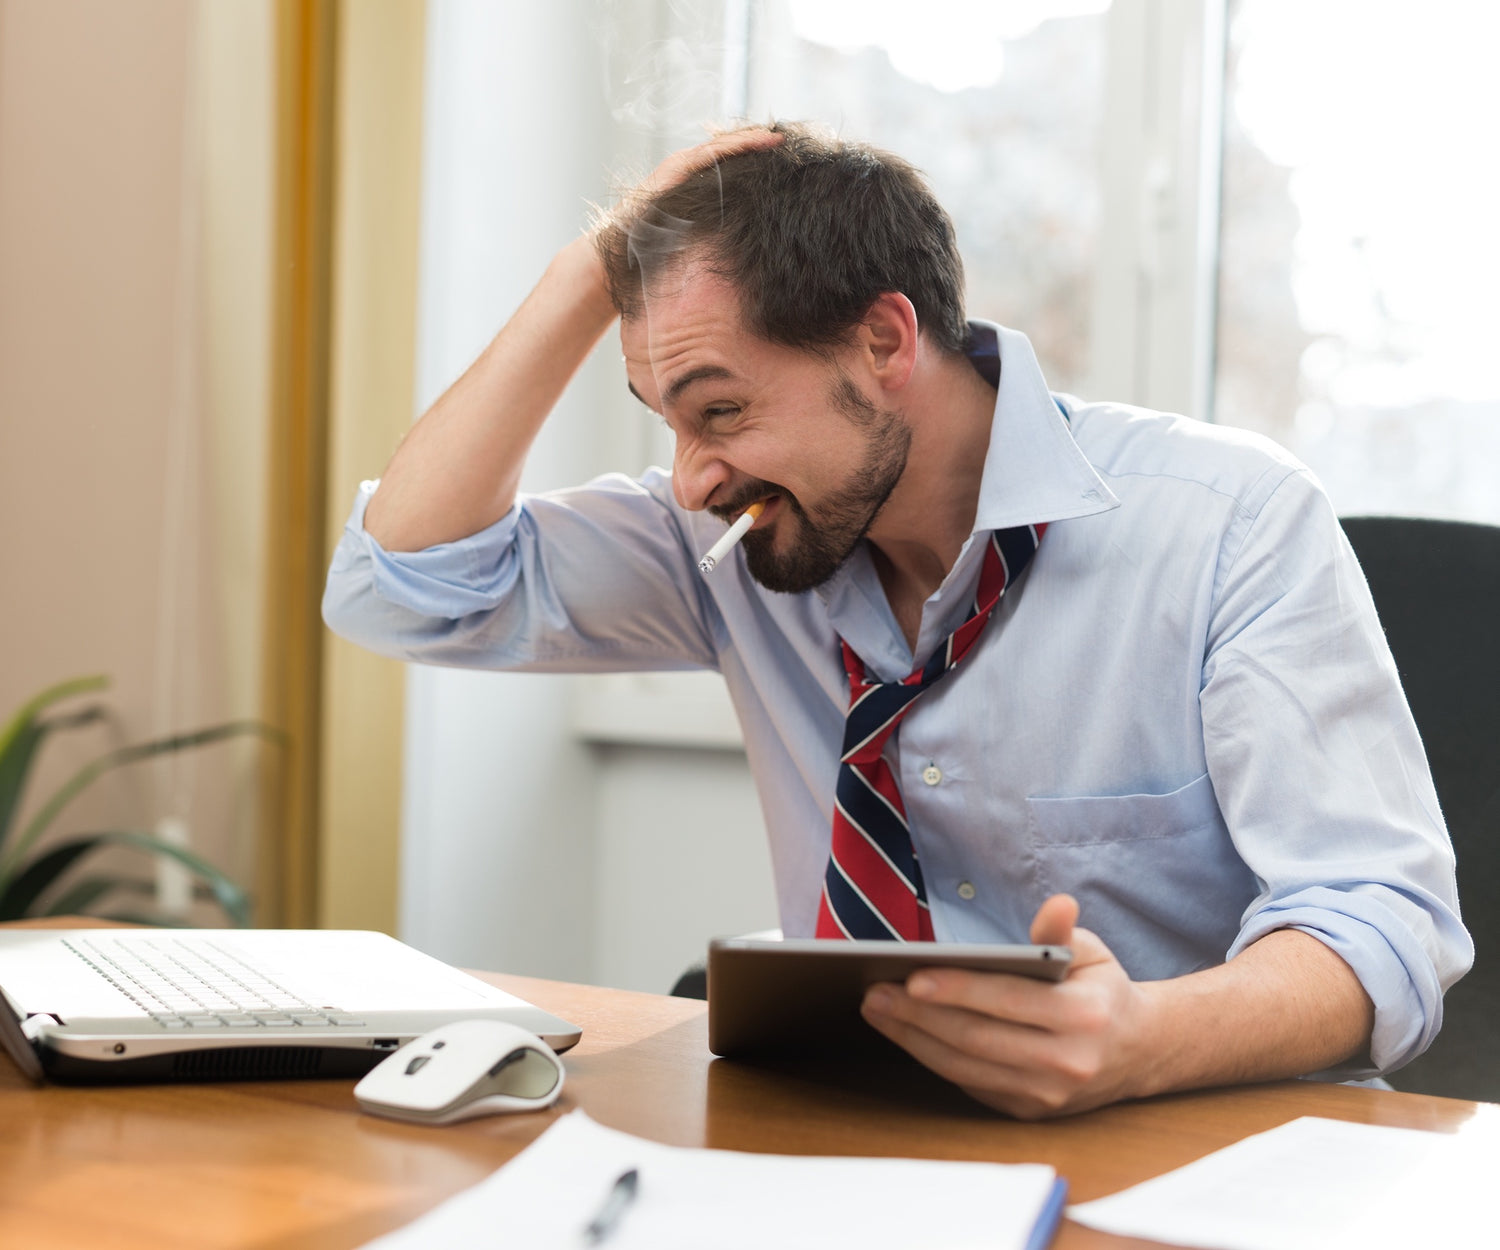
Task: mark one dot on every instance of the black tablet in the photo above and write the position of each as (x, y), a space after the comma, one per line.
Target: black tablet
(803, 996)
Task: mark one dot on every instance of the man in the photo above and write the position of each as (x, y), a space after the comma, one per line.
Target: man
(1178, 714)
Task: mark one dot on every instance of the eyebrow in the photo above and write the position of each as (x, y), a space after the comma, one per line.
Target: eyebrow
(700, 374)
(630, 386)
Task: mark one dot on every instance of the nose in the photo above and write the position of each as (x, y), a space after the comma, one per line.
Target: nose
(697, 472)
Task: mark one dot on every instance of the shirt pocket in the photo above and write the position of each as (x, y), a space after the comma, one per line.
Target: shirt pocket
(1155, 875)
(1092, 821)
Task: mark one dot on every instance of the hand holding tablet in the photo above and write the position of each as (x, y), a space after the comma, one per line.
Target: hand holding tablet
(803, 996)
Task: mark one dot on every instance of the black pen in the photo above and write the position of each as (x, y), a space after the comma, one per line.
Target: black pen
(607, 1218)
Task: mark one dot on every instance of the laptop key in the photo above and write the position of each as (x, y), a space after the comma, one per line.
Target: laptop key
(348, 1021)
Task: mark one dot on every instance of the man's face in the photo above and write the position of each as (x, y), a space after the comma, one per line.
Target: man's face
(754, 420)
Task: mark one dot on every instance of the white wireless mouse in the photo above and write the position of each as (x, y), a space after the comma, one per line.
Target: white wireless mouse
(462, 1070)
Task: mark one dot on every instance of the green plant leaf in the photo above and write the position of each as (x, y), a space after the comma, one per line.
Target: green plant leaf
(81, 897)
(15, 764)
(11, 860)
(53, 694)
(83, 894)
(23, 735)
(157, 920)
(17, 900)
(17, 897)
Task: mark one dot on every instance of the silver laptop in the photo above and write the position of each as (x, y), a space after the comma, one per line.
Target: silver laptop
(119, 1005)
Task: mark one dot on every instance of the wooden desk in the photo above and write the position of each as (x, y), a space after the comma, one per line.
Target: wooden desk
(296, 1165)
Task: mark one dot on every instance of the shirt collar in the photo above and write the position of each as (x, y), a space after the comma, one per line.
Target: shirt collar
(1034, 470)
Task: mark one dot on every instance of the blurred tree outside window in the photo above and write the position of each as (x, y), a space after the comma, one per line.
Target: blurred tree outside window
(1359, 254)
(998, 105)
(1358, 260)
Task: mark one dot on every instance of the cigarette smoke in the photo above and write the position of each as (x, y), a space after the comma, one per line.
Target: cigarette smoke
(666, 79)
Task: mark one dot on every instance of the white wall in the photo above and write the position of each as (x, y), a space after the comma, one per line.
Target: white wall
(134, 297)
(525, 848)
(681, 856)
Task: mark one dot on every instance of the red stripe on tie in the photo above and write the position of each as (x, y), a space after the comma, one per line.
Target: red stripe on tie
(887, 891)
(862, 860)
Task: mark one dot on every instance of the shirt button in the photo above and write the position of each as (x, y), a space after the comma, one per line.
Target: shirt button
(932, 774)
(966, 891)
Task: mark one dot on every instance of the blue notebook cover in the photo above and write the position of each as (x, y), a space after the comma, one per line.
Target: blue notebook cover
(1049, 1217)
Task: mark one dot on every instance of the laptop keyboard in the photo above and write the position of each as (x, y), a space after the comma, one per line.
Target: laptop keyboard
(189, 983)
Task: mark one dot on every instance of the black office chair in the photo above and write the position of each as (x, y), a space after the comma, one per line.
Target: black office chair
(693, 983)
(1437, 588)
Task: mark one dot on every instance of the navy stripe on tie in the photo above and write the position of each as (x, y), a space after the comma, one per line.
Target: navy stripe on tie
(874, 712)
(882, 826)
(853, 911)
(1017, 546)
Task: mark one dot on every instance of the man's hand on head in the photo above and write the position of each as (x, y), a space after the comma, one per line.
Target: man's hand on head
(678, 167)
(1030, 1048)
(719, 145)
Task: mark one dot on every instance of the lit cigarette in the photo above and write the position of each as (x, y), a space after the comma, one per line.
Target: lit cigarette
(732, 535)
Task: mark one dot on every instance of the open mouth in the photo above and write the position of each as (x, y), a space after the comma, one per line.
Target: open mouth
(771, 505)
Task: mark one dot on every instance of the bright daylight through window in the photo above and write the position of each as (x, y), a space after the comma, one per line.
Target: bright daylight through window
(1359, 254)
(1358, 259)
(999, 104)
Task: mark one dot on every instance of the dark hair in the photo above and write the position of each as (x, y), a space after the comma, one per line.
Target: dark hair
(809, 231)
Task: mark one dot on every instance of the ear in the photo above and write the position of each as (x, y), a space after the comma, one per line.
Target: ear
(889, 340)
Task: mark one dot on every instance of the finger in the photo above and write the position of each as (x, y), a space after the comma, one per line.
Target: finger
(1019, 1091)
(927, 1040)
(743, 138)
(986, 1037)
(683, 164)
(1054, 921)
(1088, 948)
(997, 995)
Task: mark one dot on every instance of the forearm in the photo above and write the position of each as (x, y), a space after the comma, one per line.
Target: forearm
(458, 469)
(1286, 1006)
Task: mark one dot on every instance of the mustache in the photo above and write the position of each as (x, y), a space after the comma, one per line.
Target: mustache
(747, 495)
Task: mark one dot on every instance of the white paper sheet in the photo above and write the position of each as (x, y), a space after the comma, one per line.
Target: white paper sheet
(1315, 1184)
(729, 1200)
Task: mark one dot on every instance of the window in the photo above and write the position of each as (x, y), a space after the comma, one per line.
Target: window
(998, 104)
(1359, 255)
(1275, 214)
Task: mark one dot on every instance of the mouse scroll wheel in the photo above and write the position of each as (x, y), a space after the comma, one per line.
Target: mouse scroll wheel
(417, 1064)
(515, 1056)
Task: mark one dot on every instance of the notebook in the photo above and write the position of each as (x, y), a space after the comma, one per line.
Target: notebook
(106, 1006)
(557, 1193)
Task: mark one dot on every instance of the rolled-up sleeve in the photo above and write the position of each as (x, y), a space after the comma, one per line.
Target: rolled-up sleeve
(1320, 772)
(592, 578)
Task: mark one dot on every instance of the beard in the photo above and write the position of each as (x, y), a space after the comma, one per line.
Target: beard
(825, 533)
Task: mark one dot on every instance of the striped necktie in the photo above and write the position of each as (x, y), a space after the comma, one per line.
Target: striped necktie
(873, 887)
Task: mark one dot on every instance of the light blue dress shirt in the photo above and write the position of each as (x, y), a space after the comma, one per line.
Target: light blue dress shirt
(1184, 713)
